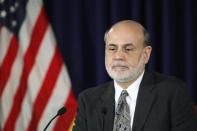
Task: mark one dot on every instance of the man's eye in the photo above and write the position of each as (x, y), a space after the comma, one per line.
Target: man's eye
(128, 49)
(111, 48)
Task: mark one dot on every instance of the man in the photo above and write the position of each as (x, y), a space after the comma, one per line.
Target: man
(137, 99)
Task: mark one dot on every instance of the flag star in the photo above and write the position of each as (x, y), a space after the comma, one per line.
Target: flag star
(12, 9)
(16, 4)
(3, 14)
(14, 23)
(1, 1)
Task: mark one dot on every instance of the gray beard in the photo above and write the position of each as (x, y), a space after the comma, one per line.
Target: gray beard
(130, 75)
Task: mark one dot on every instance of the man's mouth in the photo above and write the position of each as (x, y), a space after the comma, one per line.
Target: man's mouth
(120, 67)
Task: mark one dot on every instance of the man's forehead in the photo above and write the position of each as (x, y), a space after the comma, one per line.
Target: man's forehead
(124, 36)
(125, 32)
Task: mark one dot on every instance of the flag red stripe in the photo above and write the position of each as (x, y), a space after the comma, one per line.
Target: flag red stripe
(46, 90)
(6, 66)
(64, 122)
(29, 60)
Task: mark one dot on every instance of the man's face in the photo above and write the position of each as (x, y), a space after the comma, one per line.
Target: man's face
(125, 54)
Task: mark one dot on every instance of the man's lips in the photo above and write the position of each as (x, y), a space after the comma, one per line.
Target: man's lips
(119, 67)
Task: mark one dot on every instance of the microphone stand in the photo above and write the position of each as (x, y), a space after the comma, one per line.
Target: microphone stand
(50, 122)
(60, 112)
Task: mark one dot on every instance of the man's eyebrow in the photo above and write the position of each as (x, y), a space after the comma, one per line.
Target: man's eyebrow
(111, 44)
(129, 44)
(125, 45)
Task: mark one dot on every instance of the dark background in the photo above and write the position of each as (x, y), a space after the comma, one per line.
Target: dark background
(79, 27)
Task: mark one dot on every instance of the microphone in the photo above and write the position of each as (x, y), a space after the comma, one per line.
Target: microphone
(61, 111)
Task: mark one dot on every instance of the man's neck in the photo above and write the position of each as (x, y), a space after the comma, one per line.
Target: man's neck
(124, 85)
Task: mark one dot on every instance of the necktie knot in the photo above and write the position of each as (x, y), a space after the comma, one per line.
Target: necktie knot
(123, 95)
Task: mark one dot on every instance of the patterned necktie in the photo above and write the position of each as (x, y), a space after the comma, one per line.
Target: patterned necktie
(122, 120)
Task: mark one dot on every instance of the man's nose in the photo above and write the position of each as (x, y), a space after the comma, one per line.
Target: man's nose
(120, 54)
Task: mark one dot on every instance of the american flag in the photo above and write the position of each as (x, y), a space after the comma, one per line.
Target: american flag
(34, 81)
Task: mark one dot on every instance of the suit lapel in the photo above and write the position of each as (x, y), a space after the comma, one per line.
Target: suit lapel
(105, 108)
(145, 101)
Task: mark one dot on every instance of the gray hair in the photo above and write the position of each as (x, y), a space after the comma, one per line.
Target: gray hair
(146, 37)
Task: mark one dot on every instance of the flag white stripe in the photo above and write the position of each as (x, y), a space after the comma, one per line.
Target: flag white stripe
(33, 9)
(36, 78)
(42, 63)
(5, 38)
(57, 99)
(11, 87)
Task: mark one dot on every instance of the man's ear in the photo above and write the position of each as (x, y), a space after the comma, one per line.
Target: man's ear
(147, 53)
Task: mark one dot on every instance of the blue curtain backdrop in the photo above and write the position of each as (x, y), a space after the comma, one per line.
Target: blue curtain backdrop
(79, 26)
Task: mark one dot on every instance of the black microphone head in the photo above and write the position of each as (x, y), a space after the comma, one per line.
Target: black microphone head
(61, 111)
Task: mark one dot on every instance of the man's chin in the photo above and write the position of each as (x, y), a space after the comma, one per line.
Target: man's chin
(120, 72)
(123, 80)
(120, 78)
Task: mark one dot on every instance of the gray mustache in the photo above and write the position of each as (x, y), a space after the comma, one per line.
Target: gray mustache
(119, 65)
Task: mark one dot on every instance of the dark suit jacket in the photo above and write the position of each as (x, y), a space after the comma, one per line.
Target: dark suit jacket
(163, 104)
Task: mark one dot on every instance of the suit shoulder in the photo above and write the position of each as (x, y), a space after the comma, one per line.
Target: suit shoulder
(168, 83)
(94, 92)
(172, 80)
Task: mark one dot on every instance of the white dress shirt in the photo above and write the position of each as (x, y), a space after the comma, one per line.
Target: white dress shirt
(132, 97)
